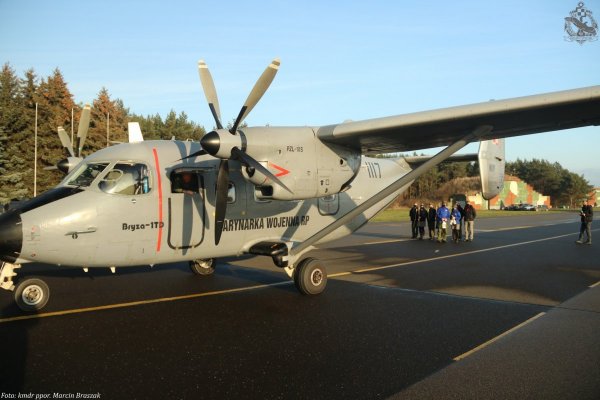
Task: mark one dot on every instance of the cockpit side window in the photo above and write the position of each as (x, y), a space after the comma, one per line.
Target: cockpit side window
(184, 182)
(127, 179)
(85, 174)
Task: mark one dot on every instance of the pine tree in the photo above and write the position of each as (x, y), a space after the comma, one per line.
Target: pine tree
(106, 110)
(14, 169)
(55, 106)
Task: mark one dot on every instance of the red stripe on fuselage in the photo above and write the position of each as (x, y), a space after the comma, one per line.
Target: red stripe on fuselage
(160, 200)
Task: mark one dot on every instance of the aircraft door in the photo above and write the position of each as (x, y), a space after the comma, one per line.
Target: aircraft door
(186, 210)
(126, 233)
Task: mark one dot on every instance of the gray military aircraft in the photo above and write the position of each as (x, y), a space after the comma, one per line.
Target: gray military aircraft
(271, 191)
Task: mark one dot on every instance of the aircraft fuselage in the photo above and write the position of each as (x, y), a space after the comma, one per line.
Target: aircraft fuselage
(94, 219)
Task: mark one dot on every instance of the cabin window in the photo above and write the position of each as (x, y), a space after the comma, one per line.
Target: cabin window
(85, 174)
(185, 182)
(127, 179)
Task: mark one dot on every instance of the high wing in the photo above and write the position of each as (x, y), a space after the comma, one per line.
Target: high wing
(442, 127)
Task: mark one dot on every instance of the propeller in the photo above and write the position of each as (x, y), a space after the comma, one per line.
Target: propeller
(221, 200)
(82, 128)
(66, 164)
(231, 144)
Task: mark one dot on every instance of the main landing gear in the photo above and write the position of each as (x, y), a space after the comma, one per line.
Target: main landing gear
(31, 295)
(203, 266)
(310, 276)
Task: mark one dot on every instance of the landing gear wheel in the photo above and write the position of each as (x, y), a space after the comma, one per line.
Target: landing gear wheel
(310, 276)
(203, 266)
(32, 294)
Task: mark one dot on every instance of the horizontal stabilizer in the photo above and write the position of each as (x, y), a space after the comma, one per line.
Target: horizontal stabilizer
(418, 160)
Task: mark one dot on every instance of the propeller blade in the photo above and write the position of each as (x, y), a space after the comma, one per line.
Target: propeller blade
(252, 163)
(210, 92)
(82, 129)
(50, 168)
(195, 154)
(221, 199)
(66, 142)
(257, 92)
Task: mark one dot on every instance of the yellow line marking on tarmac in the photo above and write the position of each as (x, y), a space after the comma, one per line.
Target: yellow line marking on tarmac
(481, 346)
(339, 274)
(140, 303)
(506, 229)
(386, 241)
(595, 284)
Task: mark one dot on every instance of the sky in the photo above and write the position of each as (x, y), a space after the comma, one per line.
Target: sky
(340, 60)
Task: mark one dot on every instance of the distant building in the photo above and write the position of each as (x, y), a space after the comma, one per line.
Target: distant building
(594, 197)
(515, 191)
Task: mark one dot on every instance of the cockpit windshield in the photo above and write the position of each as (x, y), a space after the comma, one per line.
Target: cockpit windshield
(126, 178)
(85, 174)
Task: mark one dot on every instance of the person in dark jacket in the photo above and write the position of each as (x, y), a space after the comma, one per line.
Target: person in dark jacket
(431, 221)
(414, 220)
(470, 215)
(587, 215)
(423, 214)
(455, 223)
(461, 231)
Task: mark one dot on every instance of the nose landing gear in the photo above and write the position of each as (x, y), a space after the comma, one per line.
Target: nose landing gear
(30, 295)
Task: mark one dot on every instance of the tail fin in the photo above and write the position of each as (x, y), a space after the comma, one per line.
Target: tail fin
(135, 132)
(491, 167)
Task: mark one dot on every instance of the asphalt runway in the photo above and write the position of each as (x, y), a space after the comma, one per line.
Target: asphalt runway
(513, 314)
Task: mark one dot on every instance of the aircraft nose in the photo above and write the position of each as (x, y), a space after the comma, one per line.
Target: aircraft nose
(11, 236)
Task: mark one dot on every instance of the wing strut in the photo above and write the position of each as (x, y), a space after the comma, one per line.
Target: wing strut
(404, 180)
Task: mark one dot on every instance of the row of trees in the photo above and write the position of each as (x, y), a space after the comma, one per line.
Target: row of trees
(57, 107)
(565, 188)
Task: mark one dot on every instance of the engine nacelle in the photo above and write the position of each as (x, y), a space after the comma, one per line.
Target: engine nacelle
(307, 166)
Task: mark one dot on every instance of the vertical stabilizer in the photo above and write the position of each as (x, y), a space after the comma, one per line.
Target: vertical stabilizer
(491, 167)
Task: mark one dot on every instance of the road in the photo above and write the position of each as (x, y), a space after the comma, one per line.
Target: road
(514, 313)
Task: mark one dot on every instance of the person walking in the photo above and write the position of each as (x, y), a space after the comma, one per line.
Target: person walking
(587, 215)
(431, 221)
(443, 217)
(423, 214)
(414, 220)
(470, 215)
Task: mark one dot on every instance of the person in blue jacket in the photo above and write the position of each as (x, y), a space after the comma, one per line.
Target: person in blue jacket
(443, 217)
(455, 221)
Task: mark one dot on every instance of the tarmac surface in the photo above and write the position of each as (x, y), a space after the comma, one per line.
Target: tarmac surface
(513, 314)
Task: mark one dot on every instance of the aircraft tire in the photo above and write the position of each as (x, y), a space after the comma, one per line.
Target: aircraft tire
(32, 294)
(310, 276)
(203, 266)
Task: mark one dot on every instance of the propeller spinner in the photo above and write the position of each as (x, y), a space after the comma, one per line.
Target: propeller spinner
(231, 144)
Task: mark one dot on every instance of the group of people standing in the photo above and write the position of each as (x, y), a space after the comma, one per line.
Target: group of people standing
(459, 220)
